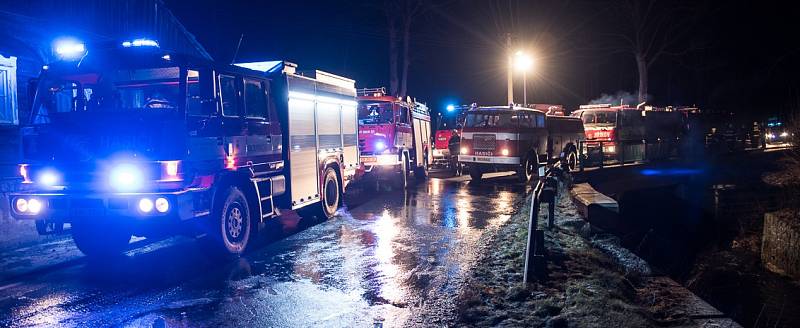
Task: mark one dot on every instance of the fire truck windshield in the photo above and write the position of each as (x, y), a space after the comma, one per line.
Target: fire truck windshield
(110, 91)
(491, 120)
(375, 113)
(599, 117)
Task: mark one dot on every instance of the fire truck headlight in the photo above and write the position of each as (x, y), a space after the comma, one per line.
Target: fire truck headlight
(126, 177)
(162, 205)
(145, 205)
(770, 136)
(504, 152)
(464, 150)
(784, 134)
(34, 206)
(21, 204)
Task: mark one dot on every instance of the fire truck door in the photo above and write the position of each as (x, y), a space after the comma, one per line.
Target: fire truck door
(350, 136)
(303, 150)
(421, 137)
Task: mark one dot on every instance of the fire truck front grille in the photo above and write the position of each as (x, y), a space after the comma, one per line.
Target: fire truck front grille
(483, 142)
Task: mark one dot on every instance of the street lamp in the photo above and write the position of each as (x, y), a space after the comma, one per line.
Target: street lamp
(523, 62)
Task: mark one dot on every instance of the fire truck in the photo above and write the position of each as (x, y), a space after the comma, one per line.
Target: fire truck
(611, 130)
(130, 139)
(393, 136)
(517, 139)
(447, 139)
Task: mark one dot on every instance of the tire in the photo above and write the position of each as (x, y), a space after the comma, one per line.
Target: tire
(402, 181)
(529, 169)
(330, 195)
(231, 223)
(570, 160)
(475, 173)
(102, 238)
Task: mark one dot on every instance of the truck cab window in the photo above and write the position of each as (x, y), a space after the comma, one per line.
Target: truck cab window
(539, 120)
(526, 120)
(404, 115)
(255, 98)
(228, 95)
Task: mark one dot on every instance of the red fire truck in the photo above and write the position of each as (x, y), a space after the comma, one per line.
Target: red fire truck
(447, 140)
(516, 139)
(655, 130)
(136, 140)
(393, 136)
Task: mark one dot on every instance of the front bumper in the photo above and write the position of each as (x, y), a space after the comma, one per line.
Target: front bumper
(371, 162)
(65, 207)
(489, 159)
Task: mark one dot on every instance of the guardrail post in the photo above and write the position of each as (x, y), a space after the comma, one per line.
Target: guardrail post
(581, 144)
(549, 196)
(534, 252)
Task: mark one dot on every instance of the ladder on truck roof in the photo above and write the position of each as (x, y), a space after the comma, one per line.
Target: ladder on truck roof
(371, 92)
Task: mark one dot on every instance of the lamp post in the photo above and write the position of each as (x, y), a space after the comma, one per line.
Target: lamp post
(523, 62)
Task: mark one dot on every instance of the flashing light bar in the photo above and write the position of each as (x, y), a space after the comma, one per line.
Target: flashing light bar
(140, 43)
(70, 49)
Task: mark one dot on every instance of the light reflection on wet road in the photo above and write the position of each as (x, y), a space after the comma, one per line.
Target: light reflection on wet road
(392, 257)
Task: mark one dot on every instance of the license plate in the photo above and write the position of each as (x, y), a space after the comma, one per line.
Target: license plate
(368, 159)
(483, 159)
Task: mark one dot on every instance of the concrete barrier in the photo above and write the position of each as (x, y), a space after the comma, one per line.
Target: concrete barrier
(780, 246)
(596, 208)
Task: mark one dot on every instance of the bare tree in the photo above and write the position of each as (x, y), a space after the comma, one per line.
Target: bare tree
(400, 18)
(652, 29)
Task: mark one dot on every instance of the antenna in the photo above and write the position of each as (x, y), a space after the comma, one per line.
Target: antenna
(238, 45)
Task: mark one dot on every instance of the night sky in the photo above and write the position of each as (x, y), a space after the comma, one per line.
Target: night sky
(740, 56)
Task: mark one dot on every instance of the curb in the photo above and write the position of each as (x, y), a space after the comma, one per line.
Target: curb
(596, 208)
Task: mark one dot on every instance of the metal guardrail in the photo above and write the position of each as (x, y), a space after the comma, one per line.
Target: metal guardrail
(544, 192)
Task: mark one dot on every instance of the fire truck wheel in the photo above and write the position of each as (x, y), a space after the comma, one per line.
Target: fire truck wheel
(527, 171)
(402, 180)
(571, 160)
(233, 219)
(101, 237)
(475, 173)
(330, 195)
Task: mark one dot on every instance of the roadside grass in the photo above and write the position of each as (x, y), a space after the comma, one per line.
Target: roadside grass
(584, 288)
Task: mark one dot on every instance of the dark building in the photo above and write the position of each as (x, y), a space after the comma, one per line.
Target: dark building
(29, 31)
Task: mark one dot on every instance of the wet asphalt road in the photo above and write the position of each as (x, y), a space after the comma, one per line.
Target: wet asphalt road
(388, 258)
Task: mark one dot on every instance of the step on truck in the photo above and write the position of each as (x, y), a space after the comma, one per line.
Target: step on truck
(135, 140)
(393, 136)
(520, 139)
